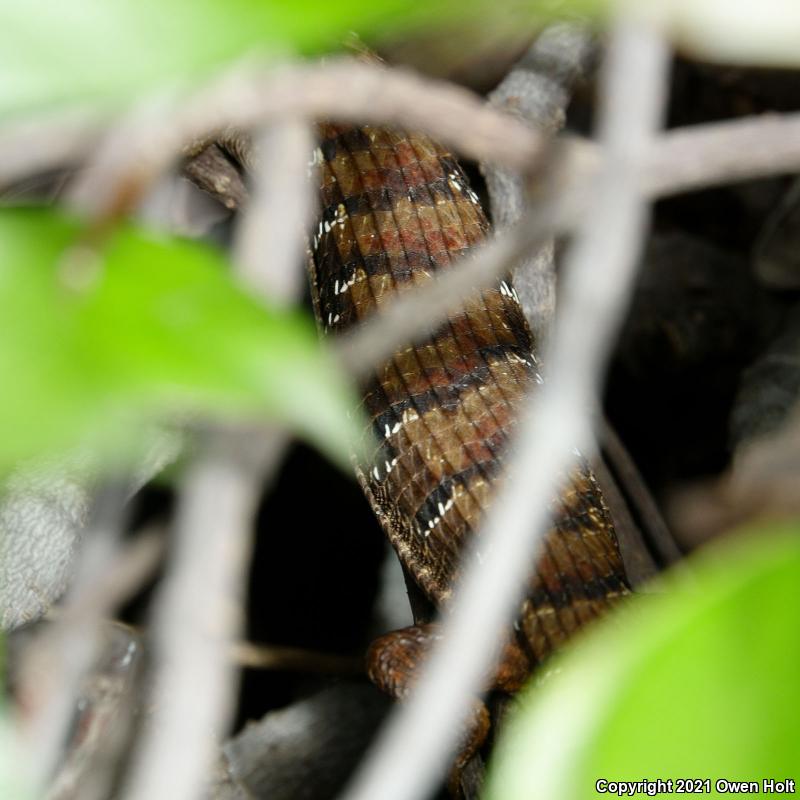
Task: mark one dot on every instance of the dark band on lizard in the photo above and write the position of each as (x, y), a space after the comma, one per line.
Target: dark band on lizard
(396, 208)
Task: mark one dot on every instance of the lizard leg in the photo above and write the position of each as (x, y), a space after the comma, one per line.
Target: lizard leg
(392, 664)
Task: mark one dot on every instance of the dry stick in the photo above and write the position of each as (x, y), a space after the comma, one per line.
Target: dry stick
(424, 732)
(150, 139)
(197, 616)
(121, 579)
(213, 172)
(270, 238)
(677, 161)
(199, 612)
(40, 144)
(685, 158)
(58, 659)
(138, 561)
(418, 310)
(690, 158)
(537, 91)
(103, 720)
(275, 657)
(637, 496)
(311, 745)
(637, 558)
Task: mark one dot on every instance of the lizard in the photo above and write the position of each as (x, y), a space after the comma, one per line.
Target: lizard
(395, 208)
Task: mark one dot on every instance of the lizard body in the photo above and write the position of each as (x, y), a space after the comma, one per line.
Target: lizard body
(396, 207)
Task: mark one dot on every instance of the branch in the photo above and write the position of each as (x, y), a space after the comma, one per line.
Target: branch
(681, 160)
(424, 732)
(309, 748)
(197, 616)
(149, 140)
(103, 719)
(270, 238)
(56, 661)
(677, 161)
(637, 499)
(212, 171)
(537, 91)
(199, 612)
(691, 158)
(418, 310)
(41, 144)
(255, 656)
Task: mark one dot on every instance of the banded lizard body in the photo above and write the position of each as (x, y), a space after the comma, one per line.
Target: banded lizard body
(396, 207)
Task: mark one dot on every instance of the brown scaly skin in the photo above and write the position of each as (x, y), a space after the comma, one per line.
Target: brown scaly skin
(397, 207)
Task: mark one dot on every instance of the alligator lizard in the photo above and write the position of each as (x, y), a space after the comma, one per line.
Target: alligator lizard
(396, 207)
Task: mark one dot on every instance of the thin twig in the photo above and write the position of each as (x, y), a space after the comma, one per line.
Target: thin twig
(199, 613)
(299, 659)
(639, 501)
(198, 616)
(103, 720)
(37, 145)
(686, 159)
(213, 172)
(152, 137)
(683, 159)
(309, 748)
(121, 579)
(270, 238)
(537, 91)
(680, 160)
(600, 270)
(56, 662)
(420, 309)
(637, 557)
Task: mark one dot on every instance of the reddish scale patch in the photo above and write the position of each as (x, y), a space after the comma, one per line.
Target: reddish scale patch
(390, 237)
(435, 241)
(404, 153)
(454, 238)
(415, 177)
(502, 418)
(368, 176)
(477, 452)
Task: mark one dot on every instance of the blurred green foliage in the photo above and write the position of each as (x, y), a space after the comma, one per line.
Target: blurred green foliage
(159, 327)
(94, 336)
(75, 51)
(698, 682)
(14, 784)
(94, 50)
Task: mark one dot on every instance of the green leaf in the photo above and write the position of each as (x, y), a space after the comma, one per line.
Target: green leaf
(14, 782)
(96, 50)
(92, 51)
(97, 337)
(700, 682)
